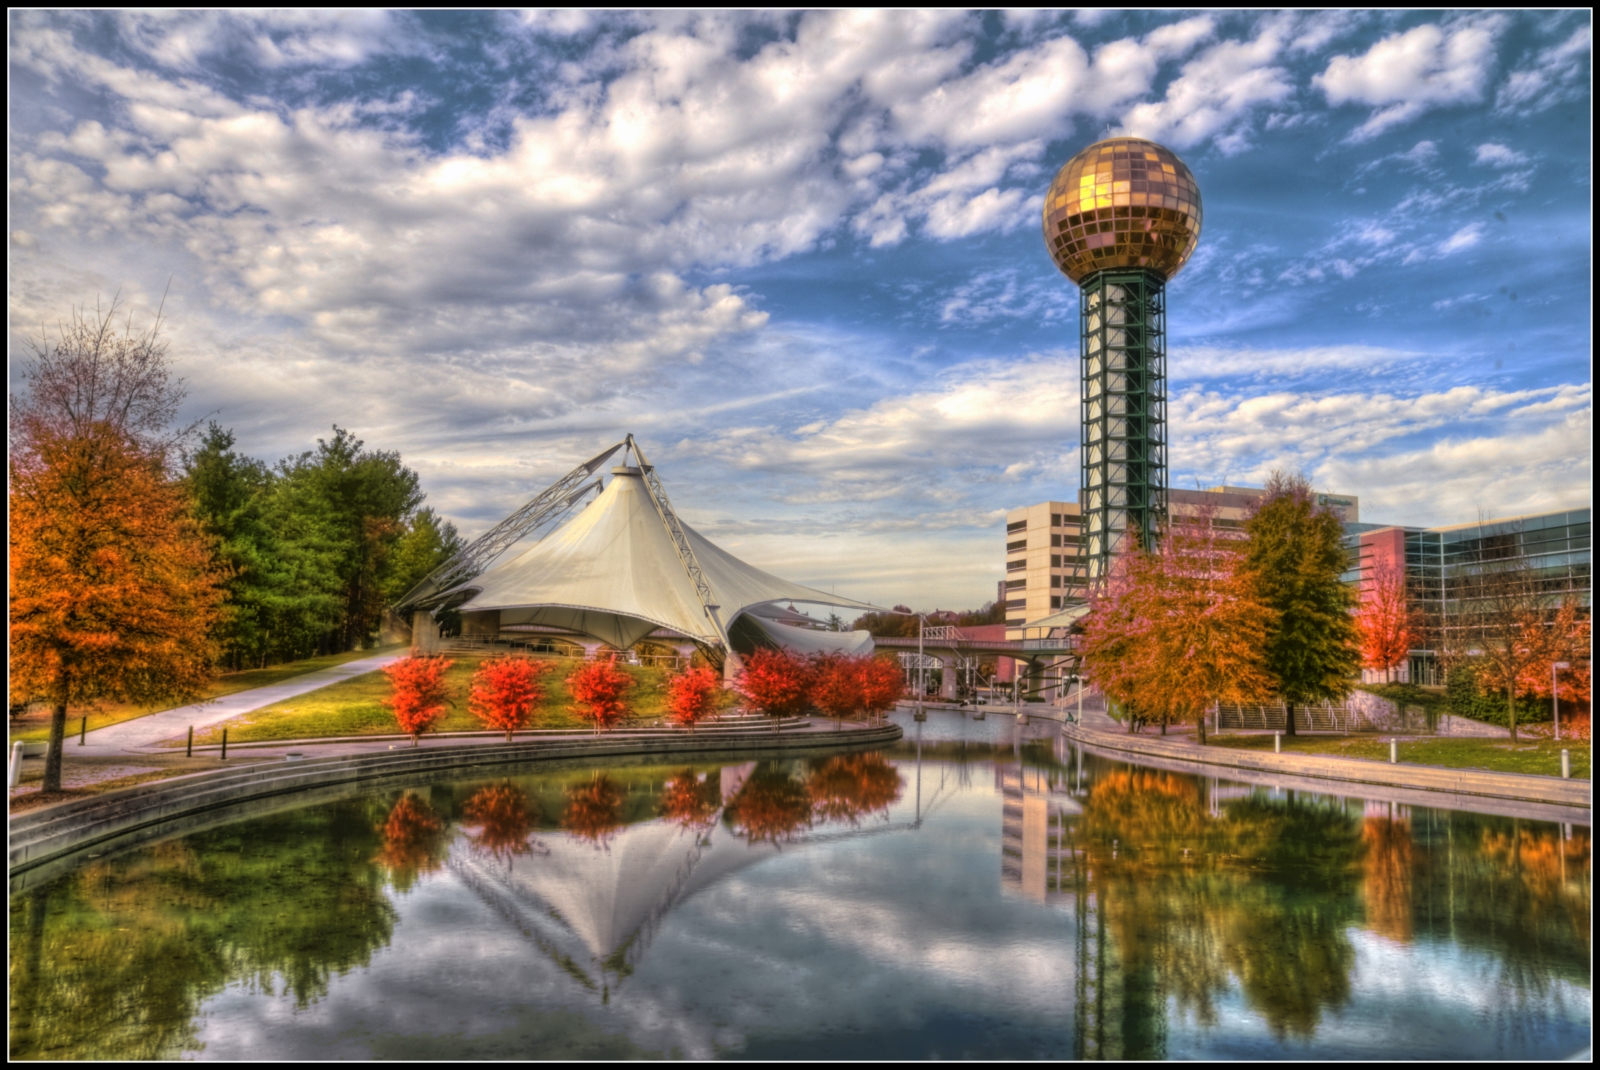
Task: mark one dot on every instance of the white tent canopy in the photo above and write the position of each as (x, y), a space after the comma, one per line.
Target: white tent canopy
(613, 573)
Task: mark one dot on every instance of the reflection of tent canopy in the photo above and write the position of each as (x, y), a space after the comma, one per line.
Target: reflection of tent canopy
(584, 905)
(613, 573)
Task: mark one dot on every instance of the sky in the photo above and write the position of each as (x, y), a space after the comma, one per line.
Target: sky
(798, 255)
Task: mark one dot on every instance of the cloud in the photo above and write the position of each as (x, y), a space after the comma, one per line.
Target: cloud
(1554, 75)
(1349, 441)
(1465, 238)
(1499, 156)
(1216, 94)
(1405, 74)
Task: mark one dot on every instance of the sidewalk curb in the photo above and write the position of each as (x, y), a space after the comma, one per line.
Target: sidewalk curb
(1518, 786)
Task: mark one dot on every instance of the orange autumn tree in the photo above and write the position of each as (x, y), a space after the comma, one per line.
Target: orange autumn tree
(1384, 621)
(420, 697)
(692, 696)
(506, 691)
(599, 689)
(1180, 628)
(113, 590)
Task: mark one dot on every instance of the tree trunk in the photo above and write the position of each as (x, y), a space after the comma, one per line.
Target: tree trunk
(52, 759)
(1511, 705)
(1200, 726)
(1289, 726)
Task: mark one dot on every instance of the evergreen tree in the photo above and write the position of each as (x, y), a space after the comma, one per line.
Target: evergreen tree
(353, 503)
(1295, 556)
(427, 542)
(228, 493)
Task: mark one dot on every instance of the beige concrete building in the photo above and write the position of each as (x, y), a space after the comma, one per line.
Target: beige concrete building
(1045, 570)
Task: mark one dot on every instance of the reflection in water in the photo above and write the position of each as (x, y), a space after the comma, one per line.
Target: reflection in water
(690, 800)
(594, 810)
(415, 841)
(499, 821)
(1171, 908)
(114, 960)
(772, 806)
(848, 787)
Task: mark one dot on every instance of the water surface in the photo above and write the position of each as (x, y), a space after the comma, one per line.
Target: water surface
(1001, 897)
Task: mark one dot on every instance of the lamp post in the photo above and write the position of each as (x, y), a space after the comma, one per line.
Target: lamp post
(1555, 695)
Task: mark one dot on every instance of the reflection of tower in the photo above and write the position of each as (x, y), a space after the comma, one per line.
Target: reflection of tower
(1121, 218)
(1033, 821)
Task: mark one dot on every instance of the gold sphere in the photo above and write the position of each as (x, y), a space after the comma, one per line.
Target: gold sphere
(1122, 203)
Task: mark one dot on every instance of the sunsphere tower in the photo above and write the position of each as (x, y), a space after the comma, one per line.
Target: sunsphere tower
(1121, 218)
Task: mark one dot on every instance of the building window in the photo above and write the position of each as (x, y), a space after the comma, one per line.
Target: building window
(1013, 585)
(1016, 603)
(1055, 601)
(1013, 528)
(1013, 547)
(1055, 560)
(1055, 581)
(1055, 520)
(1013, 566)
(1055, 540)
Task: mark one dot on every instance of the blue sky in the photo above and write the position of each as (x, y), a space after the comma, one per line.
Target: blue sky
(798, 254)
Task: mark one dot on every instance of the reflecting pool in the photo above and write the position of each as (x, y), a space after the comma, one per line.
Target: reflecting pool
(997, 897)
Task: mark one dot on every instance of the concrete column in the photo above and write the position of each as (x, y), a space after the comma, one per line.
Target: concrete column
(732, 665)
(947, 680)
(424, 633)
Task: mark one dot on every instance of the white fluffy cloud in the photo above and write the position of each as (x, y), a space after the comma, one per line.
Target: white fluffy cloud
(1217, 93)
(1407, 73)
(1496, 155)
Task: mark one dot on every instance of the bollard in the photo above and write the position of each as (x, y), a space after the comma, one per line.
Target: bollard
(1566, 765)
(16, 764)
(1277, 743)
(1394, 752)
(188, 748)
(224, 744)
(83, 731)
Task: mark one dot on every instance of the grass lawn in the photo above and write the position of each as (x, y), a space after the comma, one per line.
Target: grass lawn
(355, 707)
(1538, 756)
(35, 725)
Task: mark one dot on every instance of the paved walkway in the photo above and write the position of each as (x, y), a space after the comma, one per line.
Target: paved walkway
(173, 724)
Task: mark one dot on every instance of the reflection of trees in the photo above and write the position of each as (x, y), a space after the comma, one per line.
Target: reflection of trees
(1388, 886)
(689, 801)
(847, 787)
(415, 841)
(771, 806)
(113, 960)
(504, 821)
(594, 810)
(1263, 893)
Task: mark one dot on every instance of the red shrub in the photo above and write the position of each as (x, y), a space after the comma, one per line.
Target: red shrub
(419, 697)
(775, 682)
(505, 692)
(598, 688)
(881, 684)
(692, 696)
(836, 685)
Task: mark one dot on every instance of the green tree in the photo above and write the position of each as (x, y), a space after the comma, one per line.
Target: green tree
(1296, 555)
(228, 492)
(427, 542)
(355, 502)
